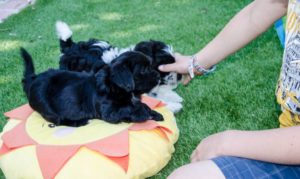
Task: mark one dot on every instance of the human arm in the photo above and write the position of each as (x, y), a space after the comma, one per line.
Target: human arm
(280, 145)
(245, 26)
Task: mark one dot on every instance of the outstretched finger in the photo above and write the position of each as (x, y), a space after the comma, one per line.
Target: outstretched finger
(168, 68)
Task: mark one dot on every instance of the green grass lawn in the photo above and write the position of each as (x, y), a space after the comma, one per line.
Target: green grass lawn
(239, 95)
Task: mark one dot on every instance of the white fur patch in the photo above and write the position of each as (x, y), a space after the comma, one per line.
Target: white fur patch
(123, 50)
(102, 44)
(169, 49)
(171, 80)
(174, 107)
(110, 54)
(63, 30)
(168, 96)
(166, 93)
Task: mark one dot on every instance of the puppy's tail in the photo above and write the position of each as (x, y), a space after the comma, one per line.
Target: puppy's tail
(64, 34)
(29, 73)
(63, 30)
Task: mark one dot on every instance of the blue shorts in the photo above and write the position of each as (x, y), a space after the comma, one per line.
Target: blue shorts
(241, 168)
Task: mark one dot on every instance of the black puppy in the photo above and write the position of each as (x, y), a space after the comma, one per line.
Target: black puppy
(82, 55)
(112, 94)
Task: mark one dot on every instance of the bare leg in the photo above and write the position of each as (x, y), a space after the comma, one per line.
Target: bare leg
(205, 169)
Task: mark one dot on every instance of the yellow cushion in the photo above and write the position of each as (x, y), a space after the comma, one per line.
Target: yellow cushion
(149, 149)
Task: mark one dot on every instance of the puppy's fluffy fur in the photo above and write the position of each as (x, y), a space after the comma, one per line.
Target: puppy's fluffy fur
(160, 54)
(80, 57)
(112, 94)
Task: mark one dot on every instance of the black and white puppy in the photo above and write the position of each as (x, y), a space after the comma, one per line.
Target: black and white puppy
(74, 57)
(161, 54)
(112, 94)
(82, 55)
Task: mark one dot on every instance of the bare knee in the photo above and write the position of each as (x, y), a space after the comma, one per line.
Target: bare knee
(204, 169)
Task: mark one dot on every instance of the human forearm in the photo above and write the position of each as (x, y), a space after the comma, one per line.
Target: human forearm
(277, 145)
(249, 23)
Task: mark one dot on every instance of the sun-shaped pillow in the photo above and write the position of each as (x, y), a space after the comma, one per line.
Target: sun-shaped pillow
(33, 148)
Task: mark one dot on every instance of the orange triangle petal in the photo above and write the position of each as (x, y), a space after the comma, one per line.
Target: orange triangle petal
(162, 133)
(166, 129)
(53, 158)
(152, 102)
(116, 145)
(22, 112)
(151, 125)
(147, 125)
(123, 162)
(4, 149)
(17, 137)
(161, 104)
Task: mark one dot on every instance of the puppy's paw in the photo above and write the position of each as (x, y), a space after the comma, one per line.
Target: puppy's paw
(169, 95)
(156, 116)
(174, 107)
(177, 98)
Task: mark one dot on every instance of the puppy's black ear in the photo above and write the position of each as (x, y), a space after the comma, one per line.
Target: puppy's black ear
(122, 76)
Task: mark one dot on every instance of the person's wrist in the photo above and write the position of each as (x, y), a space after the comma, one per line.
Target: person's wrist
(195, 68)
(202, 61)
(224, 143)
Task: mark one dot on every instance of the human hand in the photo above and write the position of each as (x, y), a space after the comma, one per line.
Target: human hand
(180, 66)
(210, 147)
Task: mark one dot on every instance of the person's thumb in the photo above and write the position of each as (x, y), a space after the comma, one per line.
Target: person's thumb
(186, 79)
(167, 67)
